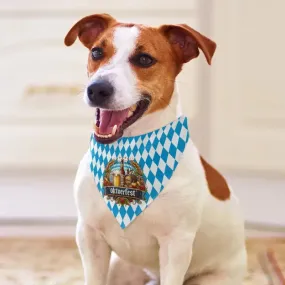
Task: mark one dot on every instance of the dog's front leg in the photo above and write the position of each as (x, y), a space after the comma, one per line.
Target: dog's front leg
(175, 254)
(95, 254)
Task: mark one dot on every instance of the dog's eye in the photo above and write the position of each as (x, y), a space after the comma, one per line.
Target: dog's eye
(143, 60)
(97, 53)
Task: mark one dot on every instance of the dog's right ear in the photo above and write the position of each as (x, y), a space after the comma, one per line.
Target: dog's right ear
(88, 29)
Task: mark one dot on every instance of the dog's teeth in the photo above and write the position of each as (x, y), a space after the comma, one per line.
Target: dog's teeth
(133, 108)
(105, 136)
(130, 114)
(114, 130)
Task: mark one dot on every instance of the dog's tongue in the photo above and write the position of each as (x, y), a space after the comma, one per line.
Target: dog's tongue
(108, 119)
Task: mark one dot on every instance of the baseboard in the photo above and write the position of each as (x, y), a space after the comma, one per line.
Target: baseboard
(51, 231)
(66, 228)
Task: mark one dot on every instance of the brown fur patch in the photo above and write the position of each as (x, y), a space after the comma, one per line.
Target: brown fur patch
(89, 28)
(105, 41)
(157, 80)
(216, 182)
(126, 25)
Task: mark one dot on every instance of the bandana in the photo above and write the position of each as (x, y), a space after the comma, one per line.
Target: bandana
(131, 172)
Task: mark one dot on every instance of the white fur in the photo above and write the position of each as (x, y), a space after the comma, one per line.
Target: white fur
(118, 71)
(185, 232)
(186, 228)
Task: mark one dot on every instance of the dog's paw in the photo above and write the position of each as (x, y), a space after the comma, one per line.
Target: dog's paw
(123, 273)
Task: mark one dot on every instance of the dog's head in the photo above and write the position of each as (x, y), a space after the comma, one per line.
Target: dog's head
(132, 68)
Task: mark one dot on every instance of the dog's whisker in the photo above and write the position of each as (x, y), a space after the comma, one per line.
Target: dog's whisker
(81, 90)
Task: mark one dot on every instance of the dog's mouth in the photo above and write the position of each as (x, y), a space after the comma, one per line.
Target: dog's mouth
(110, 124)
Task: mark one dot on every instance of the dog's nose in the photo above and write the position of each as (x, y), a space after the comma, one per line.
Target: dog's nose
(100, 91)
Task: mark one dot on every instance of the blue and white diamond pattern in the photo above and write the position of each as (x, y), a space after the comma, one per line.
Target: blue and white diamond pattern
(157, 153)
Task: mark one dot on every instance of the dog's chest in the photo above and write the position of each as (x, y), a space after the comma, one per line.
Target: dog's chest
(138, 243)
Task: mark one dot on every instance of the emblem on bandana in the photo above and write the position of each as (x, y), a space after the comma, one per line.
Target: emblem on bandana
(124, 182)
(131, 172)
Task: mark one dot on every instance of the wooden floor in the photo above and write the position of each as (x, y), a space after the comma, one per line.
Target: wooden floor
(56, 261)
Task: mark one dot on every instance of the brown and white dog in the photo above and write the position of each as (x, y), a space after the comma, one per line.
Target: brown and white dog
(193, 233)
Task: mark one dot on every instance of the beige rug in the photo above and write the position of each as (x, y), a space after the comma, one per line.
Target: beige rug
(56, 262)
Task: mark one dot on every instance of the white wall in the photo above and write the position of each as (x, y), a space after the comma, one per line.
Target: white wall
(247, 99)
(247, 118)
(44, 123)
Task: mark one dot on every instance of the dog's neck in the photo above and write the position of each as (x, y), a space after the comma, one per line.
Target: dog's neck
(157, 119)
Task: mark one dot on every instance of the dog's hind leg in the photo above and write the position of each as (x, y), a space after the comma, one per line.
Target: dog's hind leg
(233, 273)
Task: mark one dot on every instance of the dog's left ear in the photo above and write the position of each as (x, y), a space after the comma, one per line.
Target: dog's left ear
(88, 29)
(186, 42)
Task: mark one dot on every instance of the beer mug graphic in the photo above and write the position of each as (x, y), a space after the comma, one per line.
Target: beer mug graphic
(117, 180)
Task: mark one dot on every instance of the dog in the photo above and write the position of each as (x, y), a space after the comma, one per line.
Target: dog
(192, 233)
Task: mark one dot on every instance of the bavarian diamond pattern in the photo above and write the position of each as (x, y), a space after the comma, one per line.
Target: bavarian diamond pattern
(158, 154)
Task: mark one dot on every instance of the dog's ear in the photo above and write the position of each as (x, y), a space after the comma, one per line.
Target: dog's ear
(88, 29)
(186, 42)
